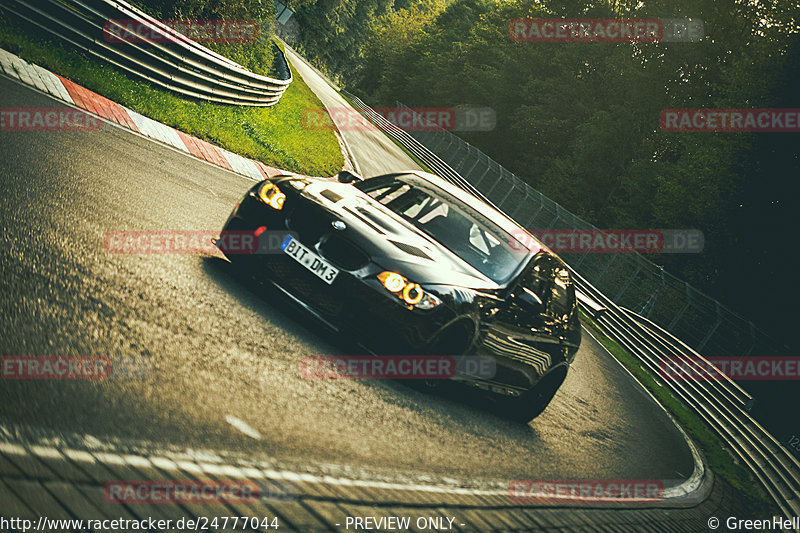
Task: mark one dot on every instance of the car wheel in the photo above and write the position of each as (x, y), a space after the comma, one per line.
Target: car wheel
(532, 403)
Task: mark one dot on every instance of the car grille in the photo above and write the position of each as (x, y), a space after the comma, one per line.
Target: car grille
(296, 279)
(343, 253)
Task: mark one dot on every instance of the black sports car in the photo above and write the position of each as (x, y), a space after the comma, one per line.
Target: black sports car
(409, 264)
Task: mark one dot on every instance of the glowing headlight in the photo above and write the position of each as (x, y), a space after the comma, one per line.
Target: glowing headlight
(411, 293)
(393, 281)
(270, 194)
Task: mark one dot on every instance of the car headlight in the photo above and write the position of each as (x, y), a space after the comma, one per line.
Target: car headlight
(270, 194)
(411, 293)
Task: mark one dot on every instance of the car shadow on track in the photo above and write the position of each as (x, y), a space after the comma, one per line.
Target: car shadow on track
(265, 299)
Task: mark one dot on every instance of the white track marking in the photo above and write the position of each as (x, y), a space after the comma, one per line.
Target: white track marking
(242, 426)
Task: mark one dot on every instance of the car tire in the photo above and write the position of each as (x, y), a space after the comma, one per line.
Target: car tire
(532, 403)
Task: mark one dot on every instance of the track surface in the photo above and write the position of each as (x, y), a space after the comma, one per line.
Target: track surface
(214, 348)
(375, 152)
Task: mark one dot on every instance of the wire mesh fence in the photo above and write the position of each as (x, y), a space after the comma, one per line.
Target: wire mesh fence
(629, 279)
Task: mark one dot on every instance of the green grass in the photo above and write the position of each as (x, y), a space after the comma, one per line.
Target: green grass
(719, 458)
(273, 135)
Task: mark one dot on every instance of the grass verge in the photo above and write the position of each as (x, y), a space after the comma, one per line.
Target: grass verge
(716, 452)
(273, 135)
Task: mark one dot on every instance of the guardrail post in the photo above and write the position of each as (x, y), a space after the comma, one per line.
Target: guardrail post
(713, 329)
(494, 185)
(558, 215)
(627, 284)
(440, 143)
(510, 189)
(685, 306)
(469, 172)
(752, 338)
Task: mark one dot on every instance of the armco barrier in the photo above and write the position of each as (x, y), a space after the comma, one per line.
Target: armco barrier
(720, 402)
(174, 62)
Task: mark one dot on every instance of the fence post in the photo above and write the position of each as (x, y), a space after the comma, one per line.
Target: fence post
(685, 306)
(713, 329)
(627, 283)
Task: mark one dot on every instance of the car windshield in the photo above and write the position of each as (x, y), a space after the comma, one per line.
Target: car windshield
(451, 222)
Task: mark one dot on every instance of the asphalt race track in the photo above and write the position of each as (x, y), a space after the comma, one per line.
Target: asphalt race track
(212, 348)
(375, 152)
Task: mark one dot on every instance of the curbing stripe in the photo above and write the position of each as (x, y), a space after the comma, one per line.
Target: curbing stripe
(5, 63)
(72, 90)
(86, 98)
(102, 108)
(241, 165)
(19, 67)
(268, 171)
(126, 119)
(37, 73)
(678, 495)
(38, 82)
(58, 85)
(54, 86)
(216, 155)
(121, 116)
(73, 94)
(202, 147)
(159, 131)
(192, 146)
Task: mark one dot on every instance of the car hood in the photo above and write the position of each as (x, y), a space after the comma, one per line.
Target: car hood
(391, 242)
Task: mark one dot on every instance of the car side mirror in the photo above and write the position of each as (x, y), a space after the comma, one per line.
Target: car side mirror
(345, 176)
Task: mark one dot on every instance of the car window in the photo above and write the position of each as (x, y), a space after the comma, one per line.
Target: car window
(386, 194)
(453, 225)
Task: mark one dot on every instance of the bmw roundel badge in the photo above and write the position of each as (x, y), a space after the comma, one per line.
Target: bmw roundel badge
(339, 225)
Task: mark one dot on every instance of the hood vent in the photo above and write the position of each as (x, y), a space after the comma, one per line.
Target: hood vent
(368, 221)
(409, 249)
(331, 195)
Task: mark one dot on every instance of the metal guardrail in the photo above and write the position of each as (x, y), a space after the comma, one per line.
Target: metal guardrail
(171, 61)
(718, 401)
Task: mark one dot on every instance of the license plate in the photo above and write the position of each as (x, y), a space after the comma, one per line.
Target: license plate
(314, 263)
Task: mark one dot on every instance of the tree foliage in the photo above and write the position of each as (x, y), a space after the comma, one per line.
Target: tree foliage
(580, 121)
